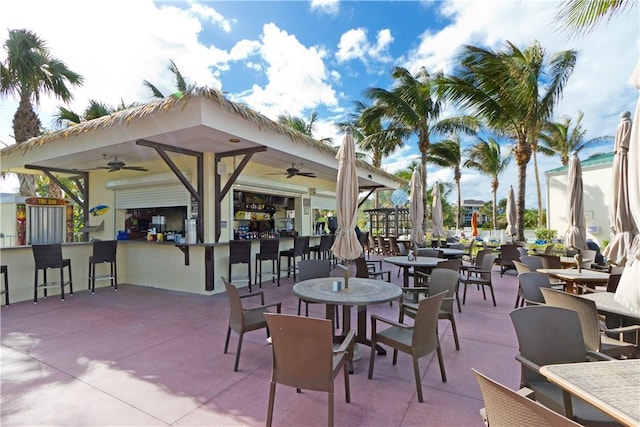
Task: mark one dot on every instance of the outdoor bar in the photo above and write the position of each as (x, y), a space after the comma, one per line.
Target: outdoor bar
(173, 181)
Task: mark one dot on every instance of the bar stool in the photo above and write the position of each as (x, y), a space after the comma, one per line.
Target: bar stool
(322, 250)
(292, 254)
(5, 291)
(240, 253)
(46, 257)
(103, 252)
(268, 252)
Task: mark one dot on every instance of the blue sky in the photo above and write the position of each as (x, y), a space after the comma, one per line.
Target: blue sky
(299, 57)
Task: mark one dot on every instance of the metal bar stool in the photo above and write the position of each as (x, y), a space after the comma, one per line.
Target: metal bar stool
(240, 253)
(103, 252)
(268, 252)
(47, 257)
(5, 291)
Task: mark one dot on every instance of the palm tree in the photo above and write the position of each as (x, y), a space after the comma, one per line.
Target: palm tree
(65, 117)
(371, 136)
(583, 16)
(28, 72)
(181, 82)
(485, 156)
(413, 107)
(447, 154)
(515, 92)
(557, 138)
(306, 127)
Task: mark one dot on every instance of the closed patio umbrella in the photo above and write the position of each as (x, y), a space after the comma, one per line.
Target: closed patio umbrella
(474, 224)
(436, 212)
(622, 224)
(416, 208)
(346, 245)
(576, 237)
(512, 219)
(628, 292)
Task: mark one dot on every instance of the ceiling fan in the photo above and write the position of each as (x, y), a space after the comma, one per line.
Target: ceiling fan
(295, 171)
(114, 165)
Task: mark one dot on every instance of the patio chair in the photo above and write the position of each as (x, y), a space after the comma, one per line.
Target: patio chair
(530, 284)
(313, 269)
(532, 261)
(104, 252)
(418, 340)
(242, 319)
(507, 254)
(595, 334)
(506, 408)
(48, 257)
(522, 251)
(366, 271)
(550, 335)
(440, 280)
(304, 357)
(481, 278)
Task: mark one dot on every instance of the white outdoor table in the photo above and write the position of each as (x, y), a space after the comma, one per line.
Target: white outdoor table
(612, 386)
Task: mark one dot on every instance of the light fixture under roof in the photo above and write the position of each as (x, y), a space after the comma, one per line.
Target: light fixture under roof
(234, 140)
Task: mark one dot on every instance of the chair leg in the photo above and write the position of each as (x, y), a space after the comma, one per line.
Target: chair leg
(372, 358)
(226, 341)
(493, 297)
(90, 275)
(464, 294)
(35, 288)
(455, 332)
(62, 283)
(272, 395)
(235, 366)
(347, 388)
(416, 374)
(443, 374)
(330, 409)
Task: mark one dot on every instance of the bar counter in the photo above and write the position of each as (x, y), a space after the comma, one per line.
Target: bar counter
(194, 268)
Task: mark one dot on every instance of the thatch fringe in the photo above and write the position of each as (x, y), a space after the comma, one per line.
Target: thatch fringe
(181, 100)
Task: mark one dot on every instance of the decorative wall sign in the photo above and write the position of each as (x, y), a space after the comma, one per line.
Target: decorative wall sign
(99, 210)
(45, 201)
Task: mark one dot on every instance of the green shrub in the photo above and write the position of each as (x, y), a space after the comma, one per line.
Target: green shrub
(546, 234)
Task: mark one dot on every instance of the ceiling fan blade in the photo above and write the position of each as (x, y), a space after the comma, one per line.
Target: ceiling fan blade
(136, 168)
(307, 174)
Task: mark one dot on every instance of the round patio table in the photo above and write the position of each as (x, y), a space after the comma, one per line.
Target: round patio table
(447, 252)
(361, 292)
(420, 262)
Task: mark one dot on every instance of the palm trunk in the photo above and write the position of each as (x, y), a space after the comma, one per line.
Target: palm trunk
(494, 190)
(522, 155)
(458, 216)
(538, 189)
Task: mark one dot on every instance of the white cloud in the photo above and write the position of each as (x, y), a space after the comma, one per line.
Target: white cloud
(354, 44)
(330, 7)
(297, 77)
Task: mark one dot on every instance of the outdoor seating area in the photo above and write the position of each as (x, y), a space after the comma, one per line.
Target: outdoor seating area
(155, 357)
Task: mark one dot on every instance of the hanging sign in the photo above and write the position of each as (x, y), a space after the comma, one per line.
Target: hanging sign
(45, 201)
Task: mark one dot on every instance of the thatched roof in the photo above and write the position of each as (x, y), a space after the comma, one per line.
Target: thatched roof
(180, 100)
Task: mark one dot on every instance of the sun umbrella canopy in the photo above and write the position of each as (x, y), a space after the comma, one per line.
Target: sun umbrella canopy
(416, 208)
(577, 231)
(628, 292)
(622, 223)
(511, 213)
(474, 224)
(436, 212)
(346, 245)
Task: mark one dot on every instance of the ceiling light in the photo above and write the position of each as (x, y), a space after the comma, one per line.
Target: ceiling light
(234, 140)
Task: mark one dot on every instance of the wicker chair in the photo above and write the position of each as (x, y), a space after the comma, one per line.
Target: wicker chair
(295, 365)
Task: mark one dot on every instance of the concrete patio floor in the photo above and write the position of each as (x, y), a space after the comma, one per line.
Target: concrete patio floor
(147, 357)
